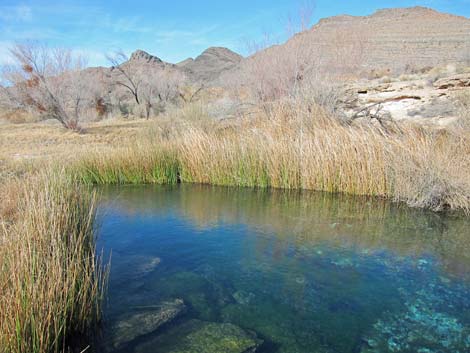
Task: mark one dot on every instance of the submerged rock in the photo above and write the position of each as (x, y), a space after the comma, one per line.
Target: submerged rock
(243, 298)
(420, 328)
(136, 325)
(196, 336)
(131, 267)
(149, 266)
(202, 296)
(279, 325)
(343, 262)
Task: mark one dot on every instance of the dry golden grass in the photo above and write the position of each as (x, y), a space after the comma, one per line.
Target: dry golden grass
(290, 145)
(297, 147)
(51, 281)
(42, 141)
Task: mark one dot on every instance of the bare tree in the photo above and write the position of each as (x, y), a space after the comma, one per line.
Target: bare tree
(159, 88)
(47, 81)
(306, 66)
(303, 19)
(189, 94)
(149, 85)
(125, 74)
(275, 71)
(279, 71)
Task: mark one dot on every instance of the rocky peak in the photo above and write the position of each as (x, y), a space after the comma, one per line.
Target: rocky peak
(219, 53)
(142, 56)
(208, 66)
(183, 63)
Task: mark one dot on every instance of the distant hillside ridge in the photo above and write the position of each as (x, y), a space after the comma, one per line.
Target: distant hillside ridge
(395, 39)
(208, 66)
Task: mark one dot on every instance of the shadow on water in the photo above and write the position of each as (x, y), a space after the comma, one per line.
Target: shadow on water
(281, 271)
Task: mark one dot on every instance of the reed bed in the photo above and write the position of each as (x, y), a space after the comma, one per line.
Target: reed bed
(297, 146)
(51, 280)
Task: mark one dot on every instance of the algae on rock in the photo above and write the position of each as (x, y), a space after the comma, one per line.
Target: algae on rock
(195, 336)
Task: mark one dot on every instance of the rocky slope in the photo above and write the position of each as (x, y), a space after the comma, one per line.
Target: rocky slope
(208, 66)
(391, 39)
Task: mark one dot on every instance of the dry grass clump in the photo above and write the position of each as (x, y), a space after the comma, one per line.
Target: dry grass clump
(9, 191)
(18, 116)
(288, 148)
(463, 102)
(295, 145)
(51, 281)
(432, 171)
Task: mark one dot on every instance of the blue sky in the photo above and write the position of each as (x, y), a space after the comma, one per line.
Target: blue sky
(172, 30)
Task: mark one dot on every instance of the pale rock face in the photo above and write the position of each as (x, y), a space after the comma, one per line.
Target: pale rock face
(454, 81)
(414, 99)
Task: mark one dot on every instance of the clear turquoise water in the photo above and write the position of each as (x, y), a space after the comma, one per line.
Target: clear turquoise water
(305, 272)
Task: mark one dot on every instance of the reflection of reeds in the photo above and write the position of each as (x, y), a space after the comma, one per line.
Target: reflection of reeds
(51, 280)
(296, 147)
(306, 218)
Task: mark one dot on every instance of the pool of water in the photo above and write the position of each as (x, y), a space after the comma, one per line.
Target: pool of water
(207, 269)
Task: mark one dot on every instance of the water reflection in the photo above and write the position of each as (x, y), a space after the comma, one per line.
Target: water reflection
(297, 218)
(198, 268)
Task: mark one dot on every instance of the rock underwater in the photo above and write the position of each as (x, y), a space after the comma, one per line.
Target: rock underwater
(139, 324)
(195, 336)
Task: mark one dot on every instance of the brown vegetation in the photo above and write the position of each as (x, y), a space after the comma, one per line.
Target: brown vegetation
(51, 280)
(49, 83)
(297, 146)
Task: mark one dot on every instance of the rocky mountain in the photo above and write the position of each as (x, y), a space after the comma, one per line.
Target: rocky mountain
(390, 39)
(140, 56)
(388, 42)
(208, 66)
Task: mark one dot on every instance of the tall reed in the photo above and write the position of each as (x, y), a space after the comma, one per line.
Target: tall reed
(294, 145)
(51, 280)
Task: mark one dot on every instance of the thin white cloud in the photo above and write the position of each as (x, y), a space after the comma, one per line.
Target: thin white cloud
(18, 13)
(131, 24)
(165, 36)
